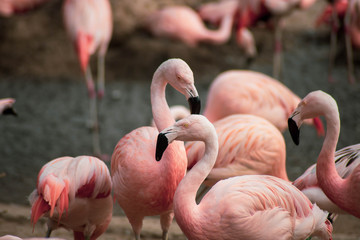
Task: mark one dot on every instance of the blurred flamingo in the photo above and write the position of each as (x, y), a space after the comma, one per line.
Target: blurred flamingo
(343, 192)
(343, 14)
(89, 26)
(249, 92)
(246, 207)
(142, 186)
(11, 7)
(346, 160)
(11, 237)
(249, 13)
(6, 106)
(184, 24)
(247, 145)
(74, 193)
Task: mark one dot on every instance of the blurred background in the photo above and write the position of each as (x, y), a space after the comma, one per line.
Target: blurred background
(39, 68)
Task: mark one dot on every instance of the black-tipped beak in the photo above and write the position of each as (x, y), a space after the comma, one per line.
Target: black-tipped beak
(294, 131)
(9, 111)
(195, 105)
(161, 145)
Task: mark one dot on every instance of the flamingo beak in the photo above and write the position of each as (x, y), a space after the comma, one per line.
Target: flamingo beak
(9, 111)
(161, 145)
(194, 105)
(294, 130)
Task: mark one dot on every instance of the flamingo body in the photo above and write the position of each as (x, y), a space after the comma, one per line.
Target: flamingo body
(245, 207)
(184, 24)
(247, 145)
(74, 193)
(249, 92)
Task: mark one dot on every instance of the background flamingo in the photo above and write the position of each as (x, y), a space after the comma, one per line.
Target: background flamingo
(247, 207)
(342, 14)
(74, 193)
(11, 7)
(346, 160)
(6, 106)
(89, 26)
(249, 92)
(343, 192)
(184, 24)
(143, 187)
(11, 237)
(249, 13)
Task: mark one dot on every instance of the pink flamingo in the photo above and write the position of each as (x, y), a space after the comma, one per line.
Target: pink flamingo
(249, 13)
(11, 237)
(247, 145)
(142, 187)
(346, 160)
(177, 112)
(245, 207)
(74, 193)
(89, 26)
(184, 24)
(6, 106)
(249, 92)
(342, 13)
(11, 7)
(343, 192)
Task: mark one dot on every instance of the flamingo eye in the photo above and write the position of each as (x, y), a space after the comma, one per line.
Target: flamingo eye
(185, 125)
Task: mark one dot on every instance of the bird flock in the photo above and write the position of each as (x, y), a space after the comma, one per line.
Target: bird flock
(235, 149)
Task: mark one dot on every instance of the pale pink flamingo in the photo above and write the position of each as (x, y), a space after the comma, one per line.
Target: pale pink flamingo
(142, 186)
(245, 207)
(342, 14)
(250, 92)
(184, 24)
(74, 193)
(89, 26)
(11, 237)
(249, 13)
(11, 7)
(247, 145)
(6, 106)
(346, 160)
(344, 192)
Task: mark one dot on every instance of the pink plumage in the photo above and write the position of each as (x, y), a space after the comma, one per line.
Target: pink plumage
(249, 92)
(74, 193)
(245, 207)
(11, 7)
(142, 186)
(6, 106)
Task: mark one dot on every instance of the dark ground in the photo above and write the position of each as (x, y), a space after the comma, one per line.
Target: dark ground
(38, 67)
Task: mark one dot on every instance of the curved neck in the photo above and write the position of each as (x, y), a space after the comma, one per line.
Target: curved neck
(329, 180)
(160, 109)
(222, 34)
(185, 207)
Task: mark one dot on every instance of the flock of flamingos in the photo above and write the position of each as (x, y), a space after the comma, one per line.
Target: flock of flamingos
(236, 148)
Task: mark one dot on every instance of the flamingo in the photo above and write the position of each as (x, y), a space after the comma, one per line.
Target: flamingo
(342, 13)
(346, 160)
(184, 24)
(244, 207)
(250, 92)
(177, 112)
(89, 26)
(247, 145)
(11, 7)
(74, 193)
(6, 106)
(344, 192)
(249, 13)
(142, 187)
(11, 237)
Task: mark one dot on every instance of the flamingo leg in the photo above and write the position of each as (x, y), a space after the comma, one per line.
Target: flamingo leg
(93, 123)
(48, 232)
(101, 75)
(333, 43)
(165, 221)
(349, 52)
(278, 51)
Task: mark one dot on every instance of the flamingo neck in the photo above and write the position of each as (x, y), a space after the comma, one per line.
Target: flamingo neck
(329, 180)
(160, 108)
(222, 34)
(186, 210)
